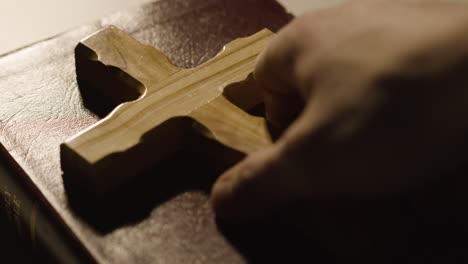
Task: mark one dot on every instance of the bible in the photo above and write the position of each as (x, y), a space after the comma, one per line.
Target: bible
(164, 219)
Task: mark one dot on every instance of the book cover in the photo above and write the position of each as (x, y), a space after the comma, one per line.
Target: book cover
(165, 217)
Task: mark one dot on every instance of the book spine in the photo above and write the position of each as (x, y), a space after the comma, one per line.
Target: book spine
(34, 219)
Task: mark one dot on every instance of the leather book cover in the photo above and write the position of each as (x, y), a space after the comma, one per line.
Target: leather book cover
(164, 216)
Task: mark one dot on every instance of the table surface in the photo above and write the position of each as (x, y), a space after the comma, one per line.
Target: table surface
(23, 22)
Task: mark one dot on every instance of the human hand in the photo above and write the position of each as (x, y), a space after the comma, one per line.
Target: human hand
(372, 95)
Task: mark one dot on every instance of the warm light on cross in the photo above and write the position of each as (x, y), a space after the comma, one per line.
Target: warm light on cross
(160, 105)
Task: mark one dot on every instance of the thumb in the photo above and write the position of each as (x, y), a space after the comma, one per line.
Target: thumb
(256, 187)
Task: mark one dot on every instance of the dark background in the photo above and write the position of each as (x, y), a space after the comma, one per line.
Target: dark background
(14, 249)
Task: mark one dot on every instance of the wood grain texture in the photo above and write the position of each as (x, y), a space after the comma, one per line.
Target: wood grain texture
(169, 104)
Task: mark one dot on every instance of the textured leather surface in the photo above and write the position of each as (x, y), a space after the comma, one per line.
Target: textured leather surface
(166, 217)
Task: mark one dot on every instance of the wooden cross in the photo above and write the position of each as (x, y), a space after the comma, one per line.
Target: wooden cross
(160, 105)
